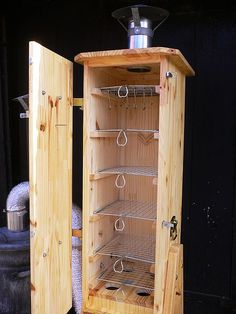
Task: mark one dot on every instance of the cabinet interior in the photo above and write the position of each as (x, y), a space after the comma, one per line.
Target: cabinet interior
(122, 127)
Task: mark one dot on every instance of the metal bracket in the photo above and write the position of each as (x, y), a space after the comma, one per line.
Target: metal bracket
(22, 100)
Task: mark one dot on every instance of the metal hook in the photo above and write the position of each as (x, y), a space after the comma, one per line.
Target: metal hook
(109, 100)
(123, 294)
(135, 103)
(119, 136)
(144, 106)
(121, 266)
(117, 179)
(117, 224)
(150, 96)
(126, 92)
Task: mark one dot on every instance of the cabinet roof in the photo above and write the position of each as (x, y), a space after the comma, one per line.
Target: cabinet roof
(134, 56)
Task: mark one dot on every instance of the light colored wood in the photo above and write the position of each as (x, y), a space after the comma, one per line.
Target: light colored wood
(87, 187)
(77, 233)
(144, 137)
(111, 302)
(164, 113)
(98, 305)
(179, 293)
(97, 134)
(173, 299)
(134, 56)
(170, 166)
(50, 146)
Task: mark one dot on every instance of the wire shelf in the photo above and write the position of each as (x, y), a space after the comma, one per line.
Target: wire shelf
(130, 209)
(135, 274)
(123, 91)
(141, 248)
(138, 171)
(130, 130)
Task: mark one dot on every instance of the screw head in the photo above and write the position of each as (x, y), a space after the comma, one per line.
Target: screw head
(43, 92)
(44, 254)
(169, 74)
(60, 242)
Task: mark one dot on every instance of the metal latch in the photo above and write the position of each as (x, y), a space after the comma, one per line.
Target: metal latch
(173, 227)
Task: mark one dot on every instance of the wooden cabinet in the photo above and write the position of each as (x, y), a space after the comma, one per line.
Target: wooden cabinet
(133, 140)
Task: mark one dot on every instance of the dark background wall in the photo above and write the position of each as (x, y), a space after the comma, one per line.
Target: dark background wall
(206, 34)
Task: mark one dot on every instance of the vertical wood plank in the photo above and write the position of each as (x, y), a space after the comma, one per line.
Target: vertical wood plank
(173, 287)
(170, 168)
(87, 188)
(50, 155)
(179, 292)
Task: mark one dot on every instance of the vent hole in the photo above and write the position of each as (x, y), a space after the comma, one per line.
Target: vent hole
(112, 287)
(143, 293)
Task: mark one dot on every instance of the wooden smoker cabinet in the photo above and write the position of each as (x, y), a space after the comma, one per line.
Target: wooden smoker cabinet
(133, 140)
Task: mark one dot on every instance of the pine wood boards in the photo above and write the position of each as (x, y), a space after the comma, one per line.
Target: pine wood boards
(170, 168)
(50, 142)
(134, 56)
(173, 301)
(165, 113)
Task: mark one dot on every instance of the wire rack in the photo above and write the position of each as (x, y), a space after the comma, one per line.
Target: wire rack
(138, 171)
(131, 90)
(141, 248)
(135, 274)
(130, 209)
(129, 130)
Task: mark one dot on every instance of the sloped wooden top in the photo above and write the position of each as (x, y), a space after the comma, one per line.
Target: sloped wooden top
(134, 56)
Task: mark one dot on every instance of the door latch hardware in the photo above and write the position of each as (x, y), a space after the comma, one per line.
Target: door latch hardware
(167, 224)
(173, 227)
(173, 230)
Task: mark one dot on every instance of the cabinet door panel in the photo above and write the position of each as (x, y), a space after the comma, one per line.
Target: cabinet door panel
(50, 155)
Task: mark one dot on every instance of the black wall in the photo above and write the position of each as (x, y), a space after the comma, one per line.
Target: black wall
(206, 34)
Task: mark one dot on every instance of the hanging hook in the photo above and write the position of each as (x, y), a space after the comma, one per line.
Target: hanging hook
(121, 266)
(121, 186)
(151, 96)
(117, 224)
(123, 294)
(109, 100)
(144, 106)
(135, 103)
(126, 92)
(119, 137)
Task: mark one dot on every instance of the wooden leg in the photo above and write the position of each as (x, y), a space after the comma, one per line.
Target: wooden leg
(173, 298)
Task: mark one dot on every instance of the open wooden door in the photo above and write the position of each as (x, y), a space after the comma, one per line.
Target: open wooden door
(50, 155)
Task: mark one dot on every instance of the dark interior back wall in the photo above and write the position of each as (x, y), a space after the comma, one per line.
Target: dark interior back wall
(205, 34)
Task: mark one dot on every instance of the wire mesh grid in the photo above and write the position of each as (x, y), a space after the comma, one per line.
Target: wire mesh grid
(130, 209)
(131, 90)
(135, 274)
(138, 171)
(129, 130)
(141, 248)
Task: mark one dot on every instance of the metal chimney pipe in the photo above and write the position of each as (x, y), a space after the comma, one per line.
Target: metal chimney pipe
(138, 21)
